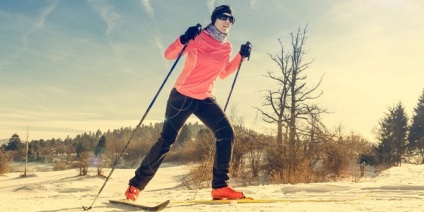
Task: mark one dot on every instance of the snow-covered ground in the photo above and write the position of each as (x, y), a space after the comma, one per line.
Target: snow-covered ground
(395, 189)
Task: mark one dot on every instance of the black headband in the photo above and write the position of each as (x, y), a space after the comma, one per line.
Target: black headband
(219, 11)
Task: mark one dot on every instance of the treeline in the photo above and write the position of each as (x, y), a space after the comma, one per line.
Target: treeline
(254, 155)
(400, 135)
(93, 148)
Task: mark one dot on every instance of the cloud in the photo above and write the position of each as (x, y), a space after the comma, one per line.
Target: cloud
(108, 14)
(2, 13)
(211, 5)
(40, 95)
(253, 3)
(39, 23)
(159, 44)
(161, 49)
(32, 101)
(148, 8)
(19, 115)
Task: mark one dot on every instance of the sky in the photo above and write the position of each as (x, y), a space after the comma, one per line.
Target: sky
(69, 67)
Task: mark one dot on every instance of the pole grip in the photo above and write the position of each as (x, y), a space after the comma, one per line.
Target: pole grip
(250, 49)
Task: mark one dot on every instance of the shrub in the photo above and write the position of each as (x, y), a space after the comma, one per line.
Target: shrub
(59, 166)
(4, 163)
(199, 177)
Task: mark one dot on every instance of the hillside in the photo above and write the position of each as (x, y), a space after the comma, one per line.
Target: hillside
(3, 141)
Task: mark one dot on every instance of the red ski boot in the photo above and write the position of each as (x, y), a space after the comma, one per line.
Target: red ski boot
(132, 193)
(226, 193)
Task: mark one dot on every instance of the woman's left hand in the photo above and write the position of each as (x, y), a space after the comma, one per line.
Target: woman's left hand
(245, 50)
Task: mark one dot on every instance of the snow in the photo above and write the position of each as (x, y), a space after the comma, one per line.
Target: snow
(395, 189)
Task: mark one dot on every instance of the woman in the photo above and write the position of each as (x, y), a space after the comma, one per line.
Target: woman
(208, 57)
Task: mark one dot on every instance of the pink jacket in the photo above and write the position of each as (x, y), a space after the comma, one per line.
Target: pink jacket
(206, 60)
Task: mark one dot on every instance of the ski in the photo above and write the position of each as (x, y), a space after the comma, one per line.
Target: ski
(251, 200)
(246, 201)
(158, 207)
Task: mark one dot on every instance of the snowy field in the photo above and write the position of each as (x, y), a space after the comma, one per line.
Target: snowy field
(395, 189)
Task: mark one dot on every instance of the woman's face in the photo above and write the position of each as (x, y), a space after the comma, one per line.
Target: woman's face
(224, 22)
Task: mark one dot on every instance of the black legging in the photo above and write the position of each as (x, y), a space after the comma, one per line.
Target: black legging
(178, 109)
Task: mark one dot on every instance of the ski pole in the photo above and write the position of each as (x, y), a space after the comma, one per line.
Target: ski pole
(235, 78)
(199, 27)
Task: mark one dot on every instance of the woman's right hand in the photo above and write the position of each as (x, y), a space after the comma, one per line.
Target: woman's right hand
(190, 34)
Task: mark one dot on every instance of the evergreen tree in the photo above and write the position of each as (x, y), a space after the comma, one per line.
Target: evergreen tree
(184, 135)
(393, 136)
(101, 147)
(14, 143)
(416, 131)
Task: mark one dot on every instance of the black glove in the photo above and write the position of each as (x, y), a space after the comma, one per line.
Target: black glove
(190, 34)
(245, 50)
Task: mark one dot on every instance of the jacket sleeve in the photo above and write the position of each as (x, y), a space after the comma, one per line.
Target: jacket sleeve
(231, 67)
(175, 48)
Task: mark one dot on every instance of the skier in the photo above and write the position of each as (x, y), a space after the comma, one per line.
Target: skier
(208, 57)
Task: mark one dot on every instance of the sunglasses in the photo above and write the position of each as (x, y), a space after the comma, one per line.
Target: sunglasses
(224, 17)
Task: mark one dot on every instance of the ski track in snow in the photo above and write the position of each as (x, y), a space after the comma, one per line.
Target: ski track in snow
(395, 189)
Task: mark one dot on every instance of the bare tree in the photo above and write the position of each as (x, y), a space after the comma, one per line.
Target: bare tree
(26, 152)
(291, 104)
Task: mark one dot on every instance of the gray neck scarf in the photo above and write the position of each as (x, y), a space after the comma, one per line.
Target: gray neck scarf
(217, 35)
